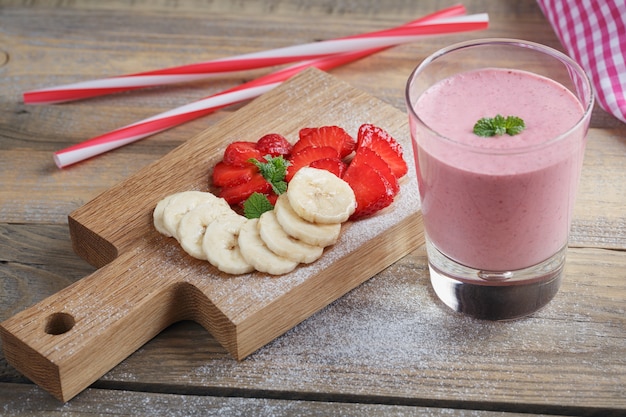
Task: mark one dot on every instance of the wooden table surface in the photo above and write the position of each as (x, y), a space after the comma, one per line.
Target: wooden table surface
(387, 348)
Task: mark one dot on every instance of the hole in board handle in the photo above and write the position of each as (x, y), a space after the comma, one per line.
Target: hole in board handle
(59, 323)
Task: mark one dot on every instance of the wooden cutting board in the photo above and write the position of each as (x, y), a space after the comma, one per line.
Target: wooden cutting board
(146, 282)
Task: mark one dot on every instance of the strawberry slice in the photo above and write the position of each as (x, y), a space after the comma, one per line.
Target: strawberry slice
(225, 175)
(366, 156)
(275, 145)
(272, 197)
(333, 136)
(385, 145)
(238, 153)
(305, 156)
(239, 193)
(334, 165)
(371, 189)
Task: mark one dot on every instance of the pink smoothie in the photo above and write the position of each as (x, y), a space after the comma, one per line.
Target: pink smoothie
(499, 203)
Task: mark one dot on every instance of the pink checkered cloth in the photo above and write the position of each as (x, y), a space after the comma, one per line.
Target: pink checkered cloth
(594, 34)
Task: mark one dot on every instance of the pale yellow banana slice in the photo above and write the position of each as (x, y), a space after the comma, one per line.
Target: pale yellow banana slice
(221, 244)
(179, 205)
(295, 226)
(193, 224)
(279, 242)
(319, 196)
(157, 216)
(258, 254)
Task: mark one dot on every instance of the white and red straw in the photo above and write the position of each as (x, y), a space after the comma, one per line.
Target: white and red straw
(442, 22)
(192, 72)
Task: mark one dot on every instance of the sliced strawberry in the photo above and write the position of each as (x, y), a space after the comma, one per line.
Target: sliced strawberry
(238, 153)
(371, 189)
(333, 136)
(366, 156)
(384, 145)
(334, 165)
(305, 156)
(275, 145)
(240, 192)
(225, 175)
(272, 197)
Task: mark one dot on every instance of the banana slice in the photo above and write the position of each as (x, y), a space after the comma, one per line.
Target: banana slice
(315, 234)
(320, 196)
(279, 242)
(157, 216)
(192, 226)
(220, 244)
(258, 254)
(179, 205)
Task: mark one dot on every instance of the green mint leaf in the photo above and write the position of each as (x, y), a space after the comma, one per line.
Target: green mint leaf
(255, 205)
(274, 171)
(484, 127)
(514, 125)
(279, 187)
(498, 126)
(499, 123)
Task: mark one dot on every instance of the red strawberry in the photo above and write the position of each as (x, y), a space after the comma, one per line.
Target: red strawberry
(333, 136)
(334, 165)
(384, 145)
(238, 153)
(272, 197)
(225, 175)
(372, 191)
(240, 192)
(305, 156)
(275, 145)
(366, 156)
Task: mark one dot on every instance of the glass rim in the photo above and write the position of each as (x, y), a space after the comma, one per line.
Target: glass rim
(519, 43)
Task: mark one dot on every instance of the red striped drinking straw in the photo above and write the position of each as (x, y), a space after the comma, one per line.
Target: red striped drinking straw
(193, 72)
(447, 20)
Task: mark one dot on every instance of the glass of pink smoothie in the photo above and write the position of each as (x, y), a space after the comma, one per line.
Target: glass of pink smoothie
(497, 209)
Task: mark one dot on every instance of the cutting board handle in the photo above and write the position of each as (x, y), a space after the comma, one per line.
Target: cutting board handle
(70, 339)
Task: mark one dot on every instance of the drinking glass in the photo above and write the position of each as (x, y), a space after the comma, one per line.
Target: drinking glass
(497, 209)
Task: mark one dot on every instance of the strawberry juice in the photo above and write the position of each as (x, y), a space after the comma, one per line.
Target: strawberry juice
(496, 205)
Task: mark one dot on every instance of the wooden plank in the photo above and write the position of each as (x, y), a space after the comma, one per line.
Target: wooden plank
(287, 10)
(28, 400)
(391, 338)
(600, 209)
(151, 284)
(35, 261)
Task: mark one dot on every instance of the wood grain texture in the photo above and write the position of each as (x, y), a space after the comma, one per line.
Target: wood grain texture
(392, 340)
(146, 283)
(26, 400)
(566, 354)
(424, 356)
(600, 209)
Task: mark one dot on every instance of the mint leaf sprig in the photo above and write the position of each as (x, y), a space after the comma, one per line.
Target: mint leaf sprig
(274, 170)
(499, 125)
(255, 205)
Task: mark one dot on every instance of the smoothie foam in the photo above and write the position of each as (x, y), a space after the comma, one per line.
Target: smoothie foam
(504, 202)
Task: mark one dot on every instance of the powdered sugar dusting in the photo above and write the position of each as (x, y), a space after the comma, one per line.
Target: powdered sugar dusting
(242, 296)
(338, 104)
